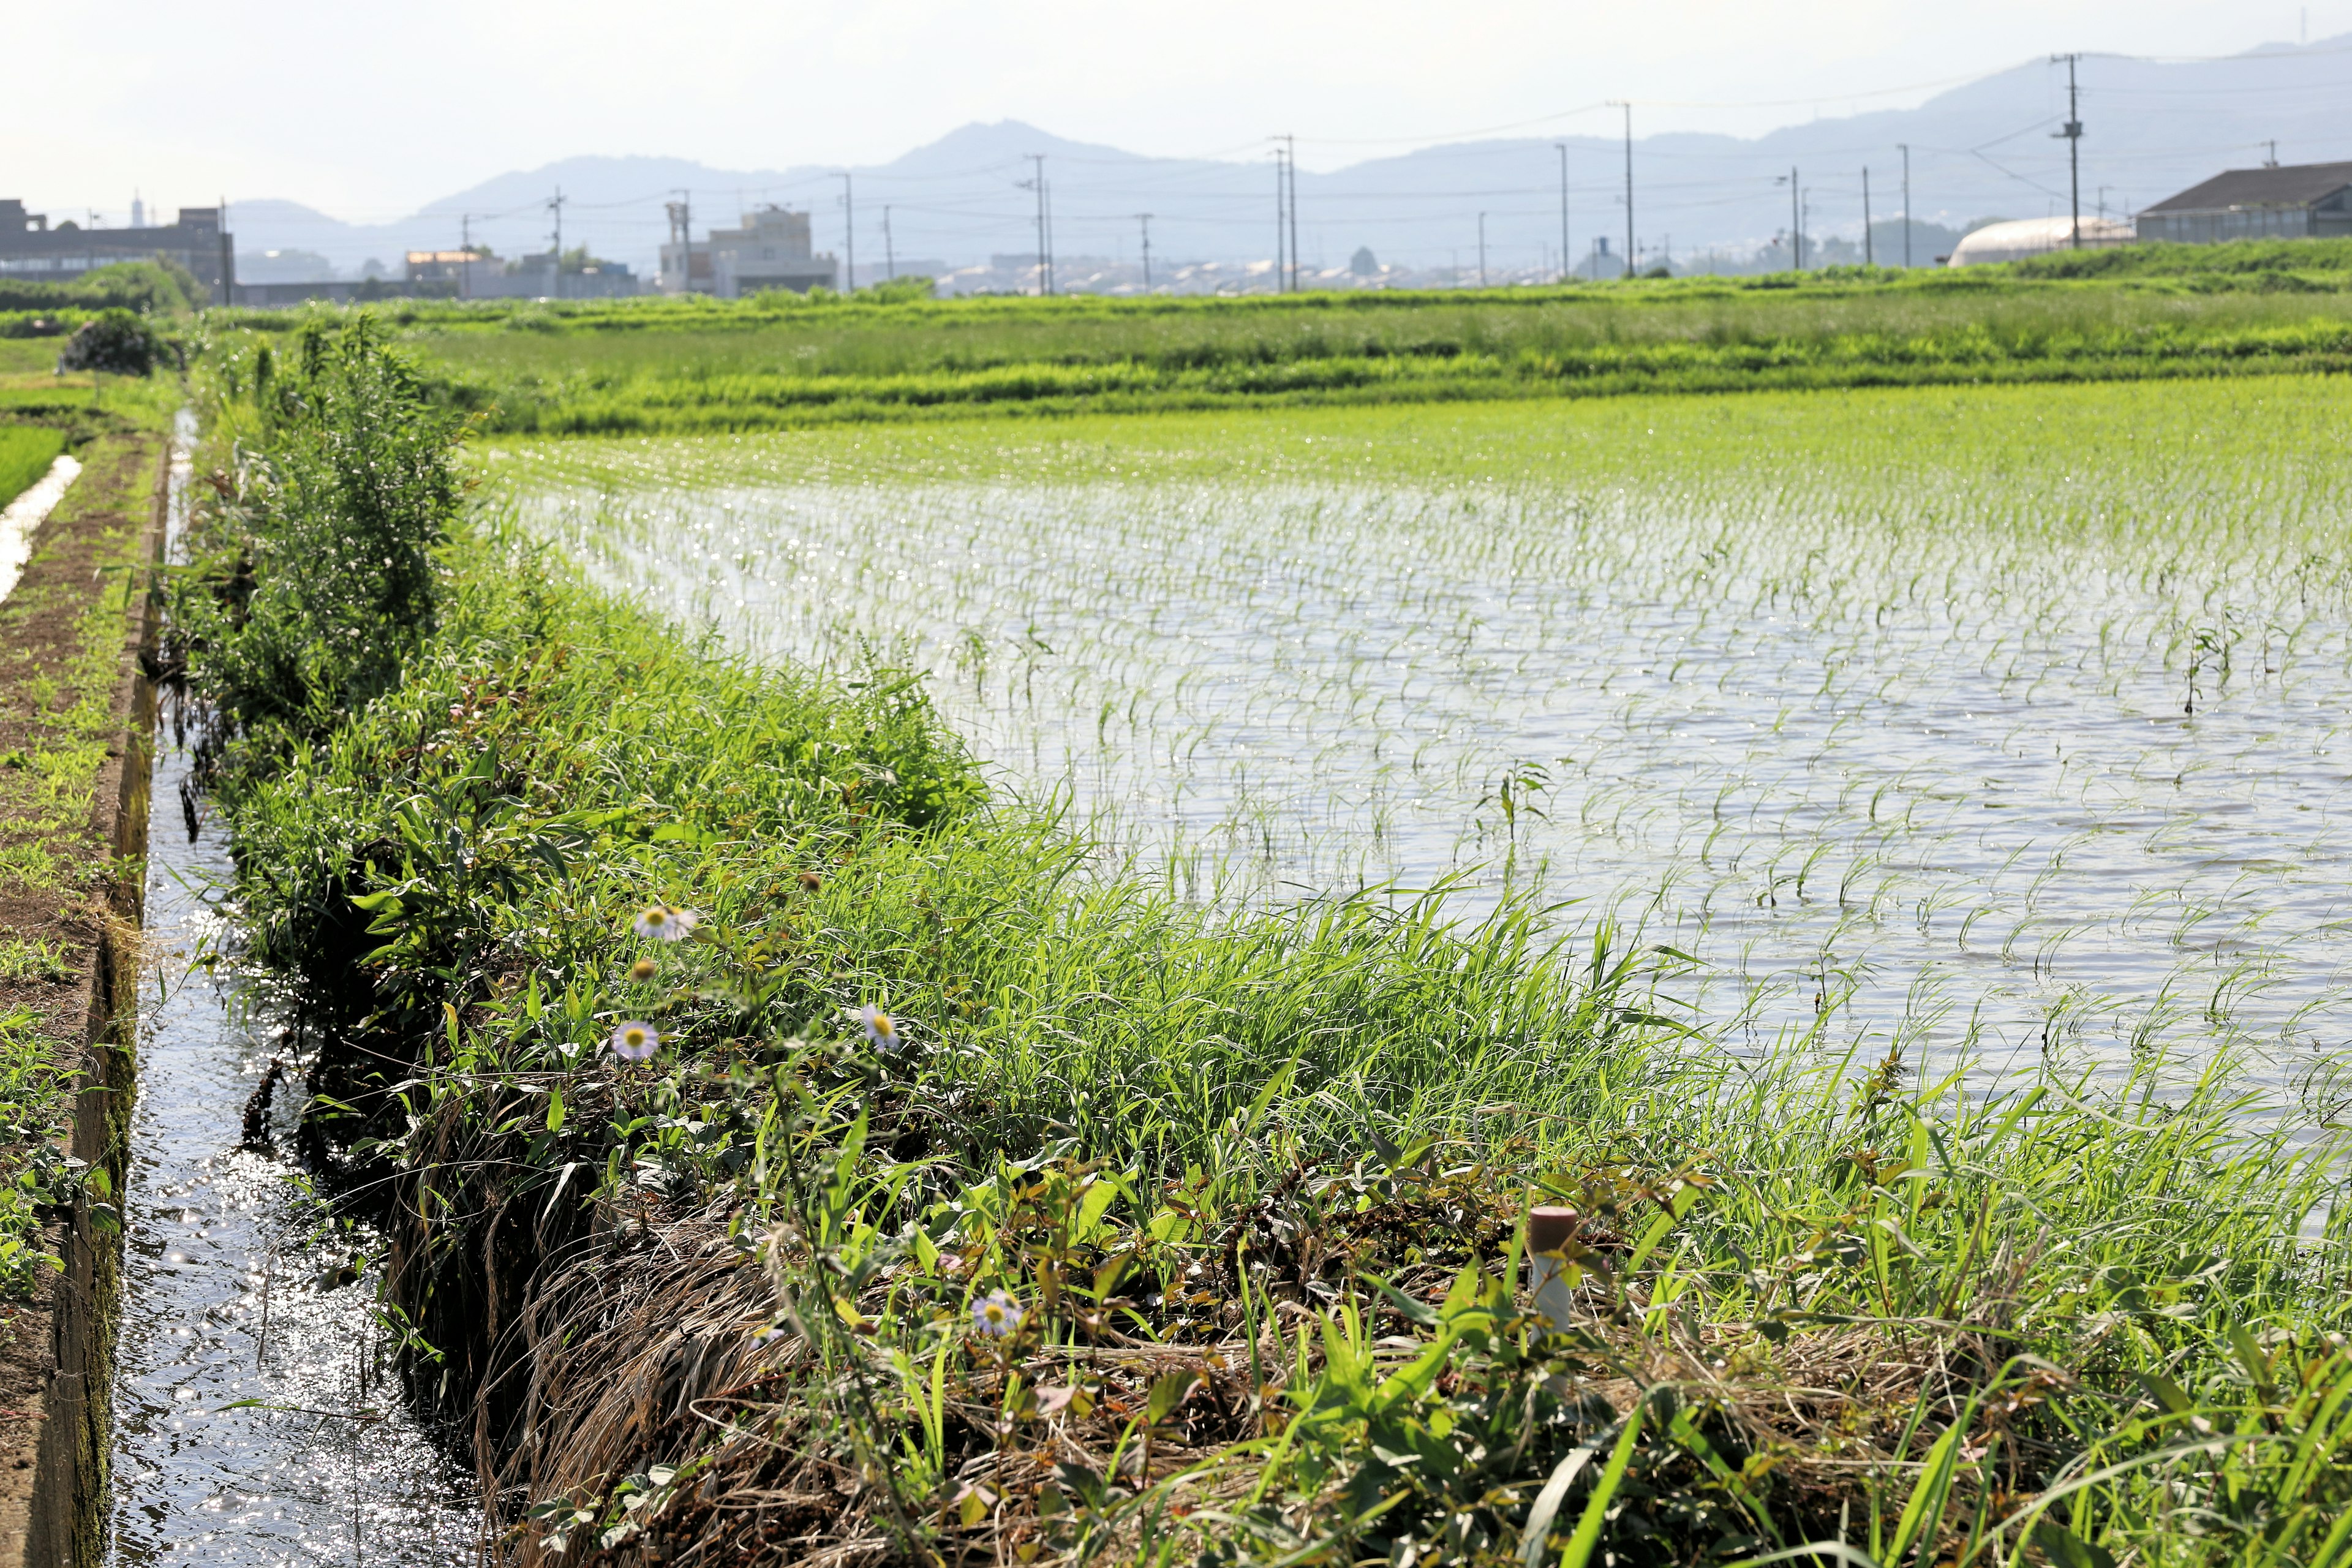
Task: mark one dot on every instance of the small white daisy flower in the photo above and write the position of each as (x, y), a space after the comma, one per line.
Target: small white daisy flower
(996, 1314)
(881, 1029)
(635, 1041)
(664, 923)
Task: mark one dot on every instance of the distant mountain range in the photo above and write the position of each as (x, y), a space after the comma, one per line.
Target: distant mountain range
(1987, 148)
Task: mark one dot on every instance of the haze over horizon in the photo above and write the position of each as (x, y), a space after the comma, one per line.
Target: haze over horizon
(184, 106)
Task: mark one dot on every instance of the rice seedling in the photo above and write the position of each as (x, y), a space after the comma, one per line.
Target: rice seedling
(1931, 645)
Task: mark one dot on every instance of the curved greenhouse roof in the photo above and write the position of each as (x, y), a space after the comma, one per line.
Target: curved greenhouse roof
(2016, 241)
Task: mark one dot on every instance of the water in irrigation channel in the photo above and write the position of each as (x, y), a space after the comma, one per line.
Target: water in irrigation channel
(256, 1421)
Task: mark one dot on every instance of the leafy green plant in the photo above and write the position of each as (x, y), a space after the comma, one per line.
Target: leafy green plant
(312, 575)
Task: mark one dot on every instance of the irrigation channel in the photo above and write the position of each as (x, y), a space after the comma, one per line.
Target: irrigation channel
(256, 1419)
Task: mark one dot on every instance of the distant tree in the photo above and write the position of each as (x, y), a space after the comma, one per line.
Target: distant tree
(1363, 264)
(115, 342)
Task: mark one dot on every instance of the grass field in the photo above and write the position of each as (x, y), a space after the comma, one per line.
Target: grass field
(79, 405)
(946, 1188)
(693, 364)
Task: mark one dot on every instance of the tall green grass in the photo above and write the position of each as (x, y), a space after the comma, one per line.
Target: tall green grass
(26, 452)
(680, 365)
(1135, 1231)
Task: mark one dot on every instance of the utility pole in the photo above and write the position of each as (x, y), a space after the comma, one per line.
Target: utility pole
(465, 246)
(1281, 218)
(1796, 220)
(1044, 271)
(1628, 108)
(1906, 202)
(681, 233)
(1869, 257)
(2072, 134)
(1482, 250)
(1290, 164)
(2270, 162)
(1562, 146)
(228, 258)
(555, 206)
(849, 232)
(889, 248)
(1145, 219)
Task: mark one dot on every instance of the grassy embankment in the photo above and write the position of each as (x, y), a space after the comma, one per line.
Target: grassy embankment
(661, 366)
(1142, 1232)
(81, 404)
(63, 630)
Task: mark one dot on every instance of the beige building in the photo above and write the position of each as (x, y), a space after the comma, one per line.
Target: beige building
(772, 249)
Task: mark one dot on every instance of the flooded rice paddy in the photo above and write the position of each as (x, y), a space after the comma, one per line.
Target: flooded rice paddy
(1914, 741)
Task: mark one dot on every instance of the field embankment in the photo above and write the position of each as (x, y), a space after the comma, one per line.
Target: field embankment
(650, 366)
(792, 1154)
(74, 719)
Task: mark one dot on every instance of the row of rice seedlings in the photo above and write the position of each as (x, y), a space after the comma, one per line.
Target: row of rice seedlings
(1969, 712)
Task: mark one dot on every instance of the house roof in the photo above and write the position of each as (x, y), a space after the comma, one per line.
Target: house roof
(2296, 186)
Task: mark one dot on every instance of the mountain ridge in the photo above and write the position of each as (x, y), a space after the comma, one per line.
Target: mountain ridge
(1978, 149)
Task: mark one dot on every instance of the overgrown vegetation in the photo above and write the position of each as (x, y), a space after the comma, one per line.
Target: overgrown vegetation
(63, 627)
(787, 1153)
(317, 551)
(155, 286)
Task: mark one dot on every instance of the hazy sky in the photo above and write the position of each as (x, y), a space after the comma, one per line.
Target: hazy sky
(367, 111)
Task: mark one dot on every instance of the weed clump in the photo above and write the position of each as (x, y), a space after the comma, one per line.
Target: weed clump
(313, 578)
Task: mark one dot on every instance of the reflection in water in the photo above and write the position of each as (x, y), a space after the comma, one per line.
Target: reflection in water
(1917, 772)
(230, 1297)
(256, 1420)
